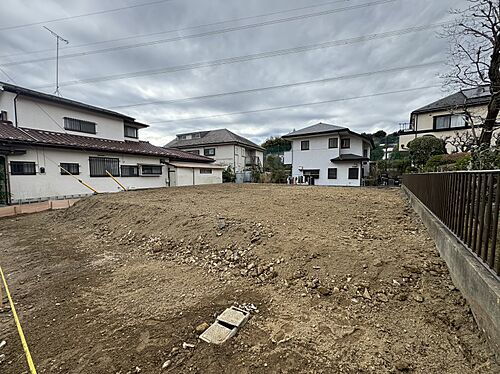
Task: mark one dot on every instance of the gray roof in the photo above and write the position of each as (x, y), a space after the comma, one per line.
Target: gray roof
(318, 128)
(469, 97)
(60, 100)
(212, 137)
(325, 128)
(349, 157)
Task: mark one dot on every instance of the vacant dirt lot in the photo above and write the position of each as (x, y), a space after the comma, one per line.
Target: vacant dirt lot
(345, 281)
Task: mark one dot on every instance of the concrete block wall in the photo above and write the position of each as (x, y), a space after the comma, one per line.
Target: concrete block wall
(479, 286)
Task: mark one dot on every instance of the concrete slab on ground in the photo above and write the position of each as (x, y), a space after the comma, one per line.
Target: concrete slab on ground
(234, 317)
(217, 333)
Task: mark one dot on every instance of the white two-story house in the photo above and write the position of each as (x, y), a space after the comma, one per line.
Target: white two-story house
(328, 155)
(55, 148)
(224, 146)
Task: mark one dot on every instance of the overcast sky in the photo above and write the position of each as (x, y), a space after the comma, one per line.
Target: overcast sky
(170, 19)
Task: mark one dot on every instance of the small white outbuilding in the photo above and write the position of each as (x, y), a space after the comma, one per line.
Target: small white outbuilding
(192, 173)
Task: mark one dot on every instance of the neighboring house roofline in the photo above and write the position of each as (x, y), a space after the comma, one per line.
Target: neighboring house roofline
(448, 108)
(217, 144)
(349, 157)
(472, 97)
(210, 138)
(22, 91)
(11, 135)
(328, 132)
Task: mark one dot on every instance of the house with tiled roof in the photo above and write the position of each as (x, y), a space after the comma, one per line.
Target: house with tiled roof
(328, 155)
(446, 118)
(224, 146)
(54, 148)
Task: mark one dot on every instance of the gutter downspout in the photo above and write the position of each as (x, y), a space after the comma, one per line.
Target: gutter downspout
(15, 110)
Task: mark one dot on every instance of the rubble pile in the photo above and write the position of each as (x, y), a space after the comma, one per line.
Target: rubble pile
(234, 259)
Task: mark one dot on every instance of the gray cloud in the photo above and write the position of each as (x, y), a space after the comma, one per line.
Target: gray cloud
(368, 114)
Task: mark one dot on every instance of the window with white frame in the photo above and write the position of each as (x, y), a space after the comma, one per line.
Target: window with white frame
(79, 125)
(99, 166)
(129, 170)
(345, 143)
(131, 132)
(151, 169)
(209, 151)
(332, 173)
(69, 168)
(449, 121)
(353, 173)
(22, 168)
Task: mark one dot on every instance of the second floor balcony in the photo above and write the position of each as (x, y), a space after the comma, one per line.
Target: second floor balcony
(406, 127)
(253, 161)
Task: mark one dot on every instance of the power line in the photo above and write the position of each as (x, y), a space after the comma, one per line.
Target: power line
(182, 29)
(7, 75)
(37, 104)
(288, 85)
(203, 34)
(296, 105)
(82, 15)
(257, 56)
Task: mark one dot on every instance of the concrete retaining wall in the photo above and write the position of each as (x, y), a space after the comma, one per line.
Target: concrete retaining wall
(14, 210)
(478, 285)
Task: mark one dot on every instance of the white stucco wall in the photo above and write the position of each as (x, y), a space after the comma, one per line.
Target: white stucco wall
(7, 104)
(214, 178)
(192, 176)
(54, 185)
(48, 116)
(230, 155)
(37, 115)
(224, 154)
(319, 155)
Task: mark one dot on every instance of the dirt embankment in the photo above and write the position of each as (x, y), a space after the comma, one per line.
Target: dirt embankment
(345, 280)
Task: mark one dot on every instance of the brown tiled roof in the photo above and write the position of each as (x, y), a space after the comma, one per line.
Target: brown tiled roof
(23, 135)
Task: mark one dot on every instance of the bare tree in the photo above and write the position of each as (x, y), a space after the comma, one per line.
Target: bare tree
(461, 141)
(475, 56)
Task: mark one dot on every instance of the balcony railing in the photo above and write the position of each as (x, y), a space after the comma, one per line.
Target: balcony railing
(252, 161)
(406, 127)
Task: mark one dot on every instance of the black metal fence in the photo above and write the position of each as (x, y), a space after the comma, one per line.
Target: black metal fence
(468, 204)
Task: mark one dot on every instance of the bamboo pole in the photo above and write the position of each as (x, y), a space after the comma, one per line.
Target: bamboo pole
(116, 180)
(79, 180)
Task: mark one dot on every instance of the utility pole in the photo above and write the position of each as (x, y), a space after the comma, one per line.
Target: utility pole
(58, 38)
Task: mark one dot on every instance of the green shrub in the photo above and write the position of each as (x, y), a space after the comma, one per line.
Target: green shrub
(486, 158)
(277, 170)
(454, 161)
(228, 175)
(423, 148)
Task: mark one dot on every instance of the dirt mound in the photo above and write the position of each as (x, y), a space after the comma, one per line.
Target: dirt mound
(344, 280)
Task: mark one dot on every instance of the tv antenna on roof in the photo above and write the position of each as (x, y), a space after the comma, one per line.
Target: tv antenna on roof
(58, 38)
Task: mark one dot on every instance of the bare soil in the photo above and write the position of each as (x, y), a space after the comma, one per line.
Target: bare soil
(344, 280)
